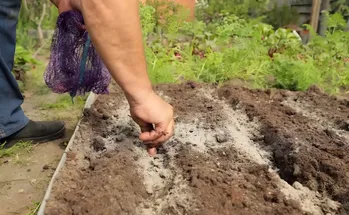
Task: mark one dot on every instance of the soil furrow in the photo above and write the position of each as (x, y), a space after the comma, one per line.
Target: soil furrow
(232, 153)
(107, 181)
(225, 170)
(321, 121)
(333, 108)
(301, 151)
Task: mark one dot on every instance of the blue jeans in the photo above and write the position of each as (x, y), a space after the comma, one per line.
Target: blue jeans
(12, 117)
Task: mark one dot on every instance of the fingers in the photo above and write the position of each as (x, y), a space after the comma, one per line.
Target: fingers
(148, 135)
(146, 128)
(164, 134)
(159, 136)
(152, 151)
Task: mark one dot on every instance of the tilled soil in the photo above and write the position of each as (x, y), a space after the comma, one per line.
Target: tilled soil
(235, 151)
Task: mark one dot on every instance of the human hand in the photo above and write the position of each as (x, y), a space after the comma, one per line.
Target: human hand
(153, 111)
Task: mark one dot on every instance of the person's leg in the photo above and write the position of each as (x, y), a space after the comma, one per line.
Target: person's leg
(14, 125)
(12, 117)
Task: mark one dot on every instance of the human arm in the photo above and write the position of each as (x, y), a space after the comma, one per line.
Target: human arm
(114, 27)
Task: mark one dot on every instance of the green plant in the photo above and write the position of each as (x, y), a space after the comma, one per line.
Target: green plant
(23, 62)
(242, 8)
(235, 47)
(21, 147)
(336, 22)
(34, 208)
(341, 6)
(279, 16)
(35, 20)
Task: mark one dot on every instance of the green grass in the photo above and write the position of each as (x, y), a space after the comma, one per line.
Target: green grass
(35, 80)
(64, 102)
(34, 208)
(16, 150)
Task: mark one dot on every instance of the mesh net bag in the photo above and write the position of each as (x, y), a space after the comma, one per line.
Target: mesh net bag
(74, 66)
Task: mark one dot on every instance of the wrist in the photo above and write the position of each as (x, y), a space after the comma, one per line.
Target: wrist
(134, 81)
(138, 94)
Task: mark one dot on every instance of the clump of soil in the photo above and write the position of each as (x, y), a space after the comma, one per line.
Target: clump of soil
(232, 152)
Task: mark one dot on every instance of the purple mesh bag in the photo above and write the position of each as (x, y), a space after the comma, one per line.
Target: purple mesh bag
(74, 66)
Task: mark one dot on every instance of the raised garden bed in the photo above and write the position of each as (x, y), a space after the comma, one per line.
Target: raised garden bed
(235, 151)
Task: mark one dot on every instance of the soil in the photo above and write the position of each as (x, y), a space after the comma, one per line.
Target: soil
(235, 151)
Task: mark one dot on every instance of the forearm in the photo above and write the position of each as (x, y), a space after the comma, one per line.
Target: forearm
(114, 27)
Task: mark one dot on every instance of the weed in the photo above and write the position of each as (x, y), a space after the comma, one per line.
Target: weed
(34, 208)
(16, 150)
(23, 62)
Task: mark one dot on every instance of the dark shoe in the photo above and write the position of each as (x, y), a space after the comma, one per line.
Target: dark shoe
(36, 132)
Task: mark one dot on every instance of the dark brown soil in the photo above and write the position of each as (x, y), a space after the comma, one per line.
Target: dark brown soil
(332, 108)
(105, 182)
(302, 150)
(225, 187)
(228, 141)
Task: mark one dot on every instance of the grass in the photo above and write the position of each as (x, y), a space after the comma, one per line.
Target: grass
(34, 208)
(35, 80)
(63, 109)
(64, 102)
(16, 150)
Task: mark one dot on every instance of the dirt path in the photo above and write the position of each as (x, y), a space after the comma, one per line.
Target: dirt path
(26, 174)
(235, 151)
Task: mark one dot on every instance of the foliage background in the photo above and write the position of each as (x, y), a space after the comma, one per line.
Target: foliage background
(231, 39)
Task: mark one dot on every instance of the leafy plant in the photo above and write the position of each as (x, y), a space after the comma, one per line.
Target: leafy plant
(336, 22)
(280, 16)
(243, 8)
(232, 46)
(23, 62)
(341, 6)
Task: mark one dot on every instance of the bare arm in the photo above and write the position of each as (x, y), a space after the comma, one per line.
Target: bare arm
(115, 30)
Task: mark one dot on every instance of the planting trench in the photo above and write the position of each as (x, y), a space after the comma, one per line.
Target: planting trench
(235, 151)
